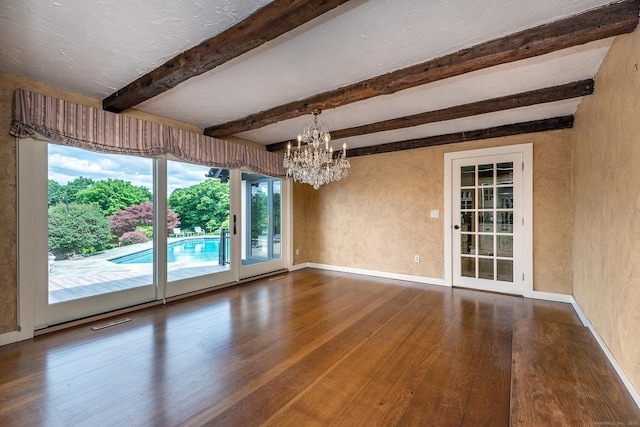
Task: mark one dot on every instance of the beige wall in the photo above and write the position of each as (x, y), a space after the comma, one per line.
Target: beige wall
(378, 218)
(607, 204)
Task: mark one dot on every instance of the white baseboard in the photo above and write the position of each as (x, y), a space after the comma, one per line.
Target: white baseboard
(382, 274)
(585, 320)
(15, 336)
(549, 296)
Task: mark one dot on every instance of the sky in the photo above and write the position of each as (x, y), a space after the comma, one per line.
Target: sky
(69, 163)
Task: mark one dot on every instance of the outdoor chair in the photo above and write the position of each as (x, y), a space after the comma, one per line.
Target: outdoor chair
(198, 230)
(178, 232)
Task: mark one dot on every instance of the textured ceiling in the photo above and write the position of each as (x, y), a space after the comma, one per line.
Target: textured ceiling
(98, 47)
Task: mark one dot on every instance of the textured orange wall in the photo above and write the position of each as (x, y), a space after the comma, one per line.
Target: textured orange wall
(607, 204)
(378, 218)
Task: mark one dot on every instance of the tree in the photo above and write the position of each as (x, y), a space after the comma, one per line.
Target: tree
(140, 215)
(57, 193)
(73, 187)
(206, 203)
(77, 229)
(113, 194)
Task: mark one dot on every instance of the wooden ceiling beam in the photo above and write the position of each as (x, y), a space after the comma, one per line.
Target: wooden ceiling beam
(534, 97)
(544, 125)
(267, 23)
(607, 21)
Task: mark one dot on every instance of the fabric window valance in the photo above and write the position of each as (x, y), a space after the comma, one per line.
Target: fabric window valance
(97, 130)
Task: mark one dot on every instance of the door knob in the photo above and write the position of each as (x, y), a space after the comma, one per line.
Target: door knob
(456, 226)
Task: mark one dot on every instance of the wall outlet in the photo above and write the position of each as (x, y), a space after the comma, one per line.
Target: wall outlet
(297, 251)
(417, 258)
(435, 213)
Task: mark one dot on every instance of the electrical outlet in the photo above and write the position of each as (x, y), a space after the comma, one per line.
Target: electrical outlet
(297, 251)
(417, 258)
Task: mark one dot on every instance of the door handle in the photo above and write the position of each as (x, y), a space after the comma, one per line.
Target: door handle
(456, 226)
(234, 224)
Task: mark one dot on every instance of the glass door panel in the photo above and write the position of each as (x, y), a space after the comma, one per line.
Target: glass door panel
(100, 210)
(198, 219)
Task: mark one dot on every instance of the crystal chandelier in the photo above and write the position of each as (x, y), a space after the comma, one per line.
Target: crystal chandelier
(314, 163)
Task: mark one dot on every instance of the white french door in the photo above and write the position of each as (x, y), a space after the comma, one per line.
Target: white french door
(489, 224)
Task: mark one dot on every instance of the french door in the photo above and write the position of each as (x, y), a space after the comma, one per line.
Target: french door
(489, 221)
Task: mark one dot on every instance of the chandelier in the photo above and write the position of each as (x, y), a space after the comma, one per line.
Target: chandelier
(314, 163)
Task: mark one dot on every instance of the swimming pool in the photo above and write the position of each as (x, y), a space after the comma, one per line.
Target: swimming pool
(188, 250)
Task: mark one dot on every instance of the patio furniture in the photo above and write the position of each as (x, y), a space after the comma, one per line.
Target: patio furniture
(178, 232)
(198, 230)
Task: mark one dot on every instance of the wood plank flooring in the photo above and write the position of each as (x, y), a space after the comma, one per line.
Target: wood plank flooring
(318, 348)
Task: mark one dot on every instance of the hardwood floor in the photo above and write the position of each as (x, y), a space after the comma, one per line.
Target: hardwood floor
(319, 348)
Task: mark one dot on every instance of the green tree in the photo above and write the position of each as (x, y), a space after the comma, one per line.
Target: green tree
(57, 193)
(113, 194)
(78, 229)
(73, 187)
(204, 204)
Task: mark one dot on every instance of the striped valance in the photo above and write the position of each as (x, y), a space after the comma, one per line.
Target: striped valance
(97, 130)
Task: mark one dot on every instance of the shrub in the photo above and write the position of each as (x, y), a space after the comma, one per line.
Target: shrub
(77, 229)
(133, 237)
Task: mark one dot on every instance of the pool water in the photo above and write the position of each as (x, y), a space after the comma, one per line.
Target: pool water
(189, 250)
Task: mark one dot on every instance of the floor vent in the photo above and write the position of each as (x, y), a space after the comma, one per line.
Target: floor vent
(277, 278)
(108, 325)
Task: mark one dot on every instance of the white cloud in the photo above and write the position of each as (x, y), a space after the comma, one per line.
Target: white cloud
(69, 163)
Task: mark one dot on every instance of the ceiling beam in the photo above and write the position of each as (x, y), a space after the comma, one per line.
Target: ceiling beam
(607, 21)
(544, 125)
(267, 23)
(534, 97)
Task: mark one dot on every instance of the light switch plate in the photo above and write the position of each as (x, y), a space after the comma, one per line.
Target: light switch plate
(435, 213)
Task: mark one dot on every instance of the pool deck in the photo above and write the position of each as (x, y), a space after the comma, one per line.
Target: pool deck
(94, 275)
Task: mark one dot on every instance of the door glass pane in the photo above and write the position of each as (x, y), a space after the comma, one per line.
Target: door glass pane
(197, 220)
(468, 244)
(276, 205)
(485, 245)
(485, 268)
(505, 246)
(468, 267)
(505, 198)
(485, 198)
(504, 172)
(468, 221)
(100, 211)
(485, 221)
(505, 270)
(259, 220)
(467, 200)
(485, 175)
(468, 176)
(505, 222)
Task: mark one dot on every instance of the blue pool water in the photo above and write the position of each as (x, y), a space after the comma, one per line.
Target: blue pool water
(189, 250)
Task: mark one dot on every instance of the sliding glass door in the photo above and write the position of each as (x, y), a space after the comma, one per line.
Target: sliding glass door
(99, 232)
(198, 237)
(99, 212)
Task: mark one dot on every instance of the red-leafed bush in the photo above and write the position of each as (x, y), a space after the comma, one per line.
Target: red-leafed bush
(140, 215)
(133, 237)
